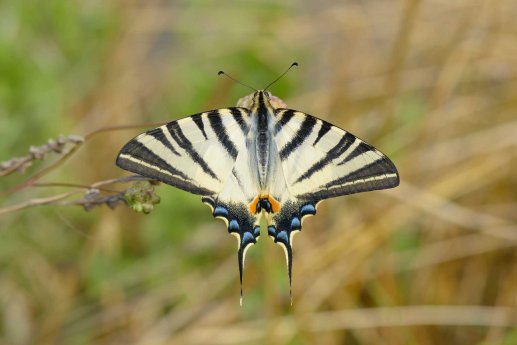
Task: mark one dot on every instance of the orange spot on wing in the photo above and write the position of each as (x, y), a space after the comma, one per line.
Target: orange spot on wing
(275, 205)
(253, 205)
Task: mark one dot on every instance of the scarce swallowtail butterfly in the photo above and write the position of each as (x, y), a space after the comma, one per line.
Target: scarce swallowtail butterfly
(259, 159)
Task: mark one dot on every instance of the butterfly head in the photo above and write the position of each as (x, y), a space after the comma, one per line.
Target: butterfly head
(260, 98)
(252, 100)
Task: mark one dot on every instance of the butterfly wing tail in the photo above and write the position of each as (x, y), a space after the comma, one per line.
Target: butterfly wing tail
(241, 224)
(286, 223)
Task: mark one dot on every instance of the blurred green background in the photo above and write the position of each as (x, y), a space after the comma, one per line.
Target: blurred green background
(433, 84)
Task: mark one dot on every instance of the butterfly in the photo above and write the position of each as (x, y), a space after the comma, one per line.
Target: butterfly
(259, 159)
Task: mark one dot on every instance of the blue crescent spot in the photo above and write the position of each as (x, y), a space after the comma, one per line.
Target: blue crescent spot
(282, 235)
(271, 230)
(307, 209)
(248, 238)
(295, 224)
(234, 225)
(267, 205)
(220, 211)
(256, 231)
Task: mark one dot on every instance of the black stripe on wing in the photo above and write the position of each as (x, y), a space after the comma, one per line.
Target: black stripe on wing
(139, 151)
(380, 174)
(299, 138)
(285, 116)
(180, 138)
(137, 158)
(377, 169)
(237, 114)
(198, 120)
(158, 134)
(220, 131)
(344, 143)
(358, 150)
(325, 127)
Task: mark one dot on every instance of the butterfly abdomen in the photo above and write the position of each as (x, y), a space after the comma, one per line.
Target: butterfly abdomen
(262, 152)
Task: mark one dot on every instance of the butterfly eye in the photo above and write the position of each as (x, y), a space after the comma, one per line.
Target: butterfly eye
(268, 95)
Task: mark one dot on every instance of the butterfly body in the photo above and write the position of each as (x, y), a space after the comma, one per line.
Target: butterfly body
(259, 159)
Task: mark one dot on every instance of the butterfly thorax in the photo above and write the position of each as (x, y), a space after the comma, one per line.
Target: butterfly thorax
(260, 139)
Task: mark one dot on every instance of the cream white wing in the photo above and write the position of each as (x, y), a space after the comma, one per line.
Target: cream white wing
(196, 153)
(320, 160)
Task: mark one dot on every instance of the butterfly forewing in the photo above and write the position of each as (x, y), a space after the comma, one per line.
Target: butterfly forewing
(196, 153)
(328, 161)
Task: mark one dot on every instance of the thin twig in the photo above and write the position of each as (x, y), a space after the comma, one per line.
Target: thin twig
(122, 127)
(30, 181)
(91, 198)
(36, 202)
(38, 153)
(71, 185)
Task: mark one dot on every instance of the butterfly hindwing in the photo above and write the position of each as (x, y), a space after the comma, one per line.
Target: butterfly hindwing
(240, 222)
(286, 223)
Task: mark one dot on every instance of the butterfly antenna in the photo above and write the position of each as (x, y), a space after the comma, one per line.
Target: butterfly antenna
(281, 75)
(235, 80)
